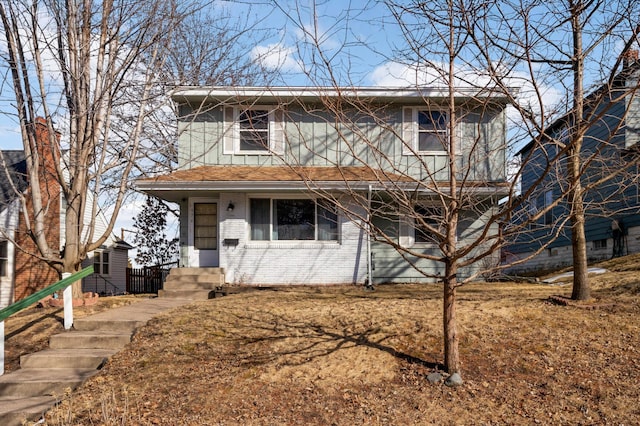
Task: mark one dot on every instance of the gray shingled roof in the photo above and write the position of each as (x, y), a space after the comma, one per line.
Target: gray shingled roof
(16, 166)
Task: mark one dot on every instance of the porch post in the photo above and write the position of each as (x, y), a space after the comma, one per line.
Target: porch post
(67, 295)
(1, 347)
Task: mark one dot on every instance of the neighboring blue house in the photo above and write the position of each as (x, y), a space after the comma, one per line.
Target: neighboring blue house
(612, 208)
(257, 164)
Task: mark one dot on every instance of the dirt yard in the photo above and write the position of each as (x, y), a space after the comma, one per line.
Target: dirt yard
(343, 356)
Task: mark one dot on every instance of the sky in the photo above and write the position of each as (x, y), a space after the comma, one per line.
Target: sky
(358, 38)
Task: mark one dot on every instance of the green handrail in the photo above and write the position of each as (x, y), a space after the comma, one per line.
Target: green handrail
(35, 297)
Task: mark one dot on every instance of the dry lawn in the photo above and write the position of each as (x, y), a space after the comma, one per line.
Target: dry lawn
(344, 356)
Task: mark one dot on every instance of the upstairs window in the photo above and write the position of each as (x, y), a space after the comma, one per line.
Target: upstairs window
(548, 201)
(425, 131)
(255, 130)
(292, 220)
(432, 131)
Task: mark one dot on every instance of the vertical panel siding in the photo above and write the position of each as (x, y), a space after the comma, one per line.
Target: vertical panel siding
(314, 138)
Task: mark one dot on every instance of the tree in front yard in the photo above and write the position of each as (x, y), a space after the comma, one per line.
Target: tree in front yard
(153, 245)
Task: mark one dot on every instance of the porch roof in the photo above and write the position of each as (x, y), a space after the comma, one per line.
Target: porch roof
(248, 178)
(198, 181)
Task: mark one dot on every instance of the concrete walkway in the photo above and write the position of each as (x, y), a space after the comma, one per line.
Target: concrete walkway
(73, 356)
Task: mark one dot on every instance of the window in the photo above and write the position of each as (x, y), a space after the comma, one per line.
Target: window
(432, 131)
(427, 217)
(254, 130)
(548, 200)
(292, 220)
(205, 221)
(424, 131)
(4, 258)
(600, 244)
(257, 130)
(101, 262)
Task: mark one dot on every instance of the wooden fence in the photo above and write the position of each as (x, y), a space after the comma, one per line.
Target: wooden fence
(148, 279)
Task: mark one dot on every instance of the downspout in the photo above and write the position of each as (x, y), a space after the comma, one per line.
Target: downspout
(369, 281)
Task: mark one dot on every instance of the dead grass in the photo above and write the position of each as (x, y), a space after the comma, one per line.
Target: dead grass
(343, 356)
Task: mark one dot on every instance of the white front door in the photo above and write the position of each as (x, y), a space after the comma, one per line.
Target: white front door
(203, 233)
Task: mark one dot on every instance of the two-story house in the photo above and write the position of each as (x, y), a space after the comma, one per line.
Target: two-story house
(22, 272)
(610, 161)
(275, 185)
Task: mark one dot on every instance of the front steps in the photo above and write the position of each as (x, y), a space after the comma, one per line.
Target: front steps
(73, 356)
(193, 283)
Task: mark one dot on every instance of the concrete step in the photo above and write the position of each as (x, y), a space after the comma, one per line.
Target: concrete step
(191, 285)
(195, 271)
(67, 358)
(115, 326)
(89, 340)
(201, 278)
(42, 381)
(18, 411)
(187, 294)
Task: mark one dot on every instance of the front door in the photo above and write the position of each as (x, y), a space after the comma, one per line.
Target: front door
(204, 234)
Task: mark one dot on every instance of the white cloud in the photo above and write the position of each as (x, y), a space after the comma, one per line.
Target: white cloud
(276, 56)
(395, 74)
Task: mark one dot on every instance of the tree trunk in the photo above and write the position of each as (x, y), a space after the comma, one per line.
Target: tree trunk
(578, 240)
(76, 287)
(576, 194)
(451, 351)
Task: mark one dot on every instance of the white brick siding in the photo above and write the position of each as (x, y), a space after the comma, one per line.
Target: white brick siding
(288, 262)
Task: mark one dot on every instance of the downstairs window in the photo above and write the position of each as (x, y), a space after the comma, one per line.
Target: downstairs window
(297, 219)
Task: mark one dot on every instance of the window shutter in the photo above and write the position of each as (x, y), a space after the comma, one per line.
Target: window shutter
(408, 130)
(228, 136)
(277, 131)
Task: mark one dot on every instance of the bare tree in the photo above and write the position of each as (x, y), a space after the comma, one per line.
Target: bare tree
(567, 46)
(434, 202)
(465, 60)
(92, 72)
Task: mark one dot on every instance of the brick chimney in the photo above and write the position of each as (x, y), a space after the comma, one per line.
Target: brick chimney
(31, 273)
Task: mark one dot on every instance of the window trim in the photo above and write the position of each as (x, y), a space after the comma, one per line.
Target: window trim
(411, 130)
(232, 131)
(285, 243)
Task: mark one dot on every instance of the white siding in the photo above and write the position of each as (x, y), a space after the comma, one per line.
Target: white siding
(8, 224)
(116, 281)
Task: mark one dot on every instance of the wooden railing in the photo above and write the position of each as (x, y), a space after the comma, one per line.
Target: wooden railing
(64, 284)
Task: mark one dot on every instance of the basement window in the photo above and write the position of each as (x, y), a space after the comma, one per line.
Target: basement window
(600, 244)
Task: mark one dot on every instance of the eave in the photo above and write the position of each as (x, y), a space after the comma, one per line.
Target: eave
(405, 95)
